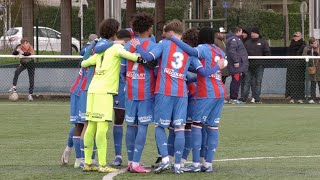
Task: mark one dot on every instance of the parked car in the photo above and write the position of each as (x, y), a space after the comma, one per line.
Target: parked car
(49, 39)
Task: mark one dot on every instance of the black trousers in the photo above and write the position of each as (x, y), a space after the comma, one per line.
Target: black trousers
(295, 85)
(30, 66)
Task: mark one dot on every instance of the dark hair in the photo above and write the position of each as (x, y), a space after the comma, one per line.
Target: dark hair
(235, 29)
(206, 36)
(123, 33)
(142, 22)
(191, 37)
(175, 25)
(312, 40)
(108, 28)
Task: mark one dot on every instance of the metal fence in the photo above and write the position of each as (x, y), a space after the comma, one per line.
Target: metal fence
(283, 76)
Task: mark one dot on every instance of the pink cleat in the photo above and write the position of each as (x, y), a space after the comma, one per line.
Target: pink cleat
(139, 169)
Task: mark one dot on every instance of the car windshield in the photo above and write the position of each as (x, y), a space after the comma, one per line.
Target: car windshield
(12, 32)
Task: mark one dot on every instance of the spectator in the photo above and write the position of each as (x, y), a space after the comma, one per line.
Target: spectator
(245, 35)
(24, 49)
(256, 46)
(237, 57)
(312, 49)
(295, 84)
(219, 41)
(91, 38)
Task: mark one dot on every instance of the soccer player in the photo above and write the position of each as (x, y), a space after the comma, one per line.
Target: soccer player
(100, 93)
(140, 84)
(171, 91)
(210, 99)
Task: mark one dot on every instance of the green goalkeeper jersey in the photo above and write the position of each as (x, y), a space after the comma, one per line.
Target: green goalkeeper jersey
(107, 72)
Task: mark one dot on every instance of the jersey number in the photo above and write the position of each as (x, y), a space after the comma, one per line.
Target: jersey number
(177, 64)
(135, 65)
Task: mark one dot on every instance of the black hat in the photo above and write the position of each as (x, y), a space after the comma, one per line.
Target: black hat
(255, 30)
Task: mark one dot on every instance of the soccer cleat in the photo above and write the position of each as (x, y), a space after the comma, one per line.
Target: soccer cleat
(311, 101)
(178, 170)
(162, 167)
(65, 156)
(77, 163)
(30, 98)
(258, 102)
(139, 169)
(206, 169)
(291, 101)
(191, 168)
(300, 101)
(12, 90)
(157, 163)
(253, 100)
(89, 168)
(117, 162)
(107, 169)
(129, 167)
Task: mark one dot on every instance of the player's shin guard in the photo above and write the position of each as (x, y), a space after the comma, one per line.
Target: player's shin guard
(70, 138)
(117, 138)
(212, 143)
(89, 141)
(196, 144)
(140, 142)
(101, 140)
(203, 143)
(130, 139)
(162, 141)
(76, 143)
(188, 143)
(178, 145)
(171, 139)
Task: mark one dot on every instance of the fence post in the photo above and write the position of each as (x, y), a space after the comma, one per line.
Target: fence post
(307, 80)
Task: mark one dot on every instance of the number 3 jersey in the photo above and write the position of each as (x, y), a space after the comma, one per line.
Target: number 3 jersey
(140, 80)
(173, 66)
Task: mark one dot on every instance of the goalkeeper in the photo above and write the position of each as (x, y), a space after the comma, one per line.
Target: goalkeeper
(100, 93)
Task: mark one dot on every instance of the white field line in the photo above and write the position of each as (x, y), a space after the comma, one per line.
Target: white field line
(111, 175)
(31, 104)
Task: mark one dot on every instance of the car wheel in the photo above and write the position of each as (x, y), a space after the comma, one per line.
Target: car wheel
(74, 48)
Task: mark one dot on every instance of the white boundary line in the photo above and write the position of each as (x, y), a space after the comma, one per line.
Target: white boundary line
(111, 175)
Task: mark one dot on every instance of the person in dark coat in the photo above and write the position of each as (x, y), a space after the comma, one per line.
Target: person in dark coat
(237, 57)
(295, 83)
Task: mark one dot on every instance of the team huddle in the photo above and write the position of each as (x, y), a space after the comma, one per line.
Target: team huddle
(127, 76)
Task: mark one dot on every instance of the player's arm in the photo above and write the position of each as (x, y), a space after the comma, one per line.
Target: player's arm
(185, 47)
(127, 55)
(89, 62)
(191, 78)
(123, 70)
(232, 51)
(155, 53)
(102, 45)
(205, 72)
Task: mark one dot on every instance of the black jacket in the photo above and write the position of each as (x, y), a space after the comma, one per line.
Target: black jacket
(296, 47)
(257, 47)
(236, 53)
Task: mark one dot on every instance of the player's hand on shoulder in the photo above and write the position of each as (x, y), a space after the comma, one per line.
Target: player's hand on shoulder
(221, 64)
(134, 42)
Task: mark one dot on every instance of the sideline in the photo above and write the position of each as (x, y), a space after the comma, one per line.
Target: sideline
(111, 175)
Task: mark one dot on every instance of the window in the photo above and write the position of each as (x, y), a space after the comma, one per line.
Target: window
(49, 33)
(12, 32)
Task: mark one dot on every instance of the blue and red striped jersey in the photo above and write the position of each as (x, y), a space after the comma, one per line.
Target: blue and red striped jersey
(75, 88)
(192, 92)
(211, 86)
(173, 66)
(140, 80)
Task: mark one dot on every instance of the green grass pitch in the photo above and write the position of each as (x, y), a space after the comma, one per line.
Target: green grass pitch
(33, 137)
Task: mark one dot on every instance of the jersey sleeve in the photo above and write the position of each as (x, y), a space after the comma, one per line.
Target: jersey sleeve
(195, 63)
(127, 55)
(157, 50)
(90, 61)
(102, 45)
(201, 51)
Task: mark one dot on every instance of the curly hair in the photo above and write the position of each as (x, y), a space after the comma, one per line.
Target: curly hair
(123, 33)
(108, 28)
(191, 37)
(175, 25)
(206, 36)
(142, 22)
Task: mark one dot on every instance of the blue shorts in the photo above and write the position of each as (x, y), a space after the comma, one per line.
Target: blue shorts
(83, 106)
(119, 100)
(74, 109)
(170, 110)
(209, 111)
(191, 111)
(139, 111)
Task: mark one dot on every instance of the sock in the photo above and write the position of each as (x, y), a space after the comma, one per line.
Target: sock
(179, 145)
(212, 142)
(117, 138)
(101, 140)
(70, 138)
(165, 159)
(76, 143)
(139, 142)
(171, 138)
(89, 141)
(159, 155)
(162, 141)
(94, 150)
(177, 166)
(196, 145)
(130, 139)
(82, 150)
(188, 143)
(203, 143)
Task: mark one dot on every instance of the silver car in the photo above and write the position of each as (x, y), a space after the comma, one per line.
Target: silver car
(49, 39)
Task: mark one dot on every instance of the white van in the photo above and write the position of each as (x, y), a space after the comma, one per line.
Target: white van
(49, 39)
